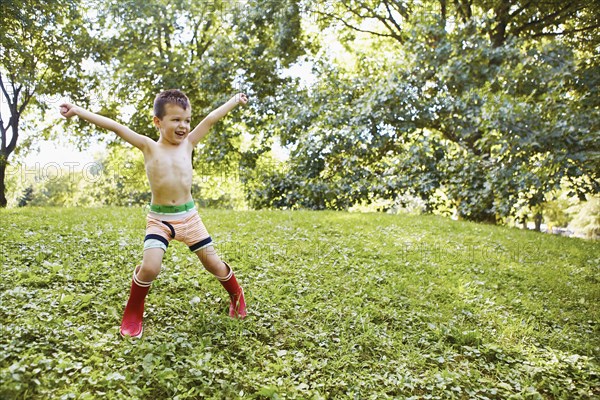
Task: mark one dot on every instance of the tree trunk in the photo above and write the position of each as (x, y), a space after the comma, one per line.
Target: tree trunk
(538, 222)
(3, 164)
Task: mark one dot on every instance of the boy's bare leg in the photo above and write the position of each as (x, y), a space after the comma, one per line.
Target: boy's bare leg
(151, 264)
(223, 272)
(144, 274)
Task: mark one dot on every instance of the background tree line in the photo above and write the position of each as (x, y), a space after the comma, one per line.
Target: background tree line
(486, 109)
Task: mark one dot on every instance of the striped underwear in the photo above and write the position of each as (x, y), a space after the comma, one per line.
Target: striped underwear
(184, 226)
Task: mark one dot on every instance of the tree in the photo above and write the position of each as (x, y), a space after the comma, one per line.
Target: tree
(490, 120)
(27, 196)
(41, 53)
(210, 50)
(503, 19)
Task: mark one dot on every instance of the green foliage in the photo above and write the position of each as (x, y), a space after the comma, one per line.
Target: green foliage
(116, 178)
(42, 46)
(210, 50)
(555, 213)
(587, 218)
(27, 196)
(449, 112)
(474, 108)
(49, 185)
(403, 307)
(576, 21)
(120, 178)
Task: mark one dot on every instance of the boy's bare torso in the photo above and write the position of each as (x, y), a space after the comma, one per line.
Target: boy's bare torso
(169, 171)
(169, 160)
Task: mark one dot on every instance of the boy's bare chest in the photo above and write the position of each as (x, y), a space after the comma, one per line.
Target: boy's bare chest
(168, 160)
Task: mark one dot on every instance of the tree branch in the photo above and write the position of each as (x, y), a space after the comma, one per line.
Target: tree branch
(15, 99)
(194, 40)
(587, 28)
(550, 18)
(391, 17)
(6, 95)
(464, 10)
(13, 141)
(520, 9)
(355, 28)
(201, 49)
(3, 130)
(3, 136)
(444, 10)
(16, 111)
(26, 99)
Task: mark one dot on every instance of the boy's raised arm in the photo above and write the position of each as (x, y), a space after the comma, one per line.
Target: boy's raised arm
(204, 126)
(67, 110)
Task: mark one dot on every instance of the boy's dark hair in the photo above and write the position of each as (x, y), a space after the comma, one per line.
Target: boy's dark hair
(171, 96)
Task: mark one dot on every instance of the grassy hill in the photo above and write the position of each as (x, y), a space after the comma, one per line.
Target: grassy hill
(340, 306)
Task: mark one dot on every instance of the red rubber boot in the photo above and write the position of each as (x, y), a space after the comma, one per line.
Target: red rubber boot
(131, 325)
(237, 305)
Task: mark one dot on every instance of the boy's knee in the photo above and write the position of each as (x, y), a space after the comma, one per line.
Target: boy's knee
(216, 267)
(213, 261)
(150, 268)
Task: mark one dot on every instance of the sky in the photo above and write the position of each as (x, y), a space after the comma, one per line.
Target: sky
(62, 153)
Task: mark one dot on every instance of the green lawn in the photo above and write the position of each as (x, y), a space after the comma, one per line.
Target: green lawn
(340, 306)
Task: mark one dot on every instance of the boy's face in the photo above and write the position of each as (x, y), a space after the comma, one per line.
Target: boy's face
(174, 126)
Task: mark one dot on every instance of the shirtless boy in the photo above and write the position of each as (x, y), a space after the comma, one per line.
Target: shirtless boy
(173, 214)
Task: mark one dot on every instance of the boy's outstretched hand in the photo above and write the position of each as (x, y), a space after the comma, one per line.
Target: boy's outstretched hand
(67, 110)
(241, 98)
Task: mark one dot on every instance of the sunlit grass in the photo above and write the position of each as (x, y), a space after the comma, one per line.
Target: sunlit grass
(340, 306)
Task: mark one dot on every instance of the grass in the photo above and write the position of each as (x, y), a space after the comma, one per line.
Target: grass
(340, 306)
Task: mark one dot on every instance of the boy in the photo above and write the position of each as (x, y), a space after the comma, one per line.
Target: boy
(173, 214)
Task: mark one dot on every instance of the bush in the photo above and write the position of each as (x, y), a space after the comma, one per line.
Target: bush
(587, 219)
